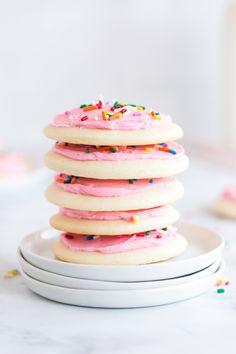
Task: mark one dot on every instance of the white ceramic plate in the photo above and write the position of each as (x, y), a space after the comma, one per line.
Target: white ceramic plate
(204, 248)
(76, 283)
(123, 298)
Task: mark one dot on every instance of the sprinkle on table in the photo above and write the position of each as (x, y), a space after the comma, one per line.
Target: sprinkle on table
(220, 291)
(11, 273)
(84, 118)
(227, 283)
(220, 282)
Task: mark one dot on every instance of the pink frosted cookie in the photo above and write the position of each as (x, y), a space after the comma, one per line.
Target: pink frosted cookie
(226, 204)
(140, 248)
(113, 222)
(120, 162)
(115, 123)
(107, 195)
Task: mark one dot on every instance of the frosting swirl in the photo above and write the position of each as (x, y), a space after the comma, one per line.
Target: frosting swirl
(230, 193)
(130, 216)
(117, 244)
(108, 188)
(111, 116)
(108, 153)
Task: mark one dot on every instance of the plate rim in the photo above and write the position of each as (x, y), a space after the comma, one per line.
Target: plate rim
(215, 265)
(220, 270)
(158, 264)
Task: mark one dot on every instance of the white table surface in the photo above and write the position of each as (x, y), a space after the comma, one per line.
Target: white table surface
(31, 324)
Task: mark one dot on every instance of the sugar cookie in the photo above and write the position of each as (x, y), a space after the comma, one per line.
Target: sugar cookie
(113, 223)
(226, 205)
(122, 250)
(113, 124)
(108, 195)
(127, 163)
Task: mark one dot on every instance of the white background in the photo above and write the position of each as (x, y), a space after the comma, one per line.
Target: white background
(167, 54)
(56, 54)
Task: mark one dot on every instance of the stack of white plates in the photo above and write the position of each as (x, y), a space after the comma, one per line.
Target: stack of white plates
(181, 278)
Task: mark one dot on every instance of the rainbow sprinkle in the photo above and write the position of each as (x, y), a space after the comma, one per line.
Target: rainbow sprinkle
(166, 149)
(135, 219)
(220, 291)
(148, 149)
(69, 237)
(90, 237)
(116, 105)
(113, 150)
(68, 180)
(220, 284)
(11, 273)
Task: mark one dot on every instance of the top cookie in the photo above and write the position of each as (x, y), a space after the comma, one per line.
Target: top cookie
(115, 123)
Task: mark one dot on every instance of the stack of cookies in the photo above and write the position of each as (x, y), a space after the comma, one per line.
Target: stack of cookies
(116, 164)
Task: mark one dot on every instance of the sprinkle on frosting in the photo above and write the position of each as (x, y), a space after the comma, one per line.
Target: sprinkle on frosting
(109, 188)
(142, 152)
(111, 115)
(89, 237)
(135, 219)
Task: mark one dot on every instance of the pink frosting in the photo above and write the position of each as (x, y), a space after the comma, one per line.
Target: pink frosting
(111, 188)
(78, 152)
(132, 119)
(230, 193)
(116, 244)
(114, 215)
